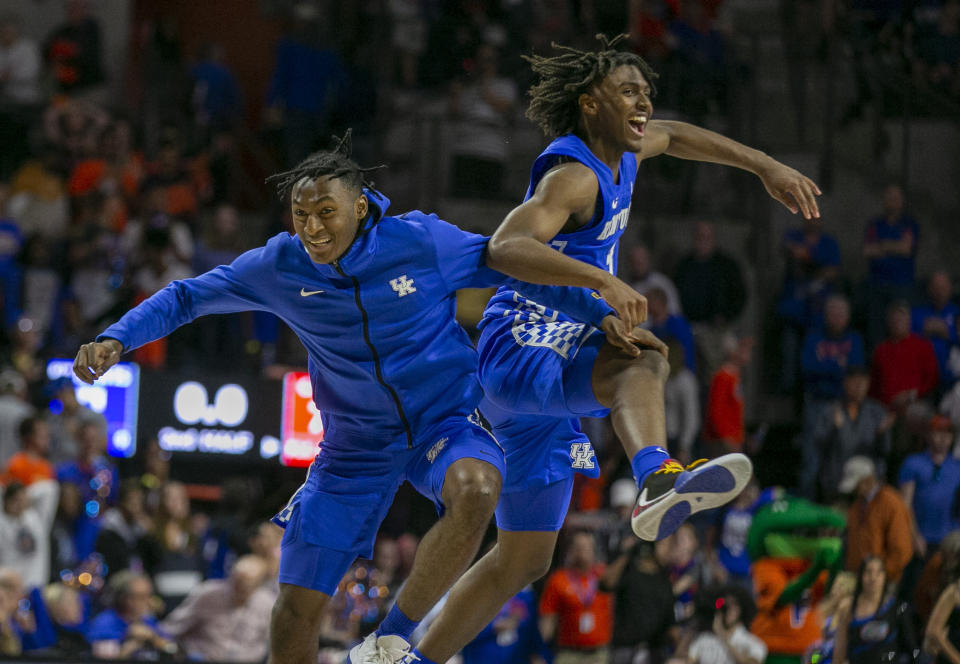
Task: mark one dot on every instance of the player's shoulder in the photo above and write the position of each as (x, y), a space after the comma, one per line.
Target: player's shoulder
(569, 180)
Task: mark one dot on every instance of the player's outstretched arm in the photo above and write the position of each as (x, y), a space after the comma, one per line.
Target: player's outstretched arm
(519, 247)
(679, 139)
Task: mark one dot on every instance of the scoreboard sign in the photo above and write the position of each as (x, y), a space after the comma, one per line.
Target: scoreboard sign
(114, 395)
(301, 429)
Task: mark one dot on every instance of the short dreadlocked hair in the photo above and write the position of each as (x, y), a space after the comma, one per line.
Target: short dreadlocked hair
(564, 77)
(335, 163)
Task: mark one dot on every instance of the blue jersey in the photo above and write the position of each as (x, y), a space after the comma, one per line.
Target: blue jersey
(386, 354)
(596, 243)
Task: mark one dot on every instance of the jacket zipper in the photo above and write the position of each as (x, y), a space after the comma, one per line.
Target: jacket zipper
(375, 354)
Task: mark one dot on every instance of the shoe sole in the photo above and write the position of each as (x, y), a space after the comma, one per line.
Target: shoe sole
(710, 485)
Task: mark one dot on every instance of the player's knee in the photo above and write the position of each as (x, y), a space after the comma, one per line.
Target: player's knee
(297, 610)
(472, 490)
(528, 569)
(650, 367)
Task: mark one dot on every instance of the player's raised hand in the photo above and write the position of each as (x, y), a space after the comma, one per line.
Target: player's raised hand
(630, 305)
(792, 188)
(95, 358)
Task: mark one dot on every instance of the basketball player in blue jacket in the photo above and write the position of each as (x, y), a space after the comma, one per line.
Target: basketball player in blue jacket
(542, 367)
(372, 298)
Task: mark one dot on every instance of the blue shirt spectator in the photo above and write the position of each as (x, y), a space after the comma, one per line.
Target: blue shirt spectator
(812, 264)
(827, 353)
(929, 481)
(513, 636)
(128, 628)
(937, 321)
(305, 77)
(216, 94)
(666, 326)
(890, 242)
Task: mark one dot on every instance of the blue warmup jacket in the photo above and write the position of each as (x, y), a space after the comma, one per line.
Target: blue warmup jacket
(387, 357)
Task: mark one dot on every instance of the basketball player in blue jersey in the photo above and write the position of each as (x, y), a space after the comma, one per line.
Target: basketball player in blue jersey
(543, 366)
(372, 298)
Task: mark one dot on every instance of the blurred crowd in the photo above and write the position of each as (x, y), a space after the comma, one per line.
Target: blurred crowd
(104, 201)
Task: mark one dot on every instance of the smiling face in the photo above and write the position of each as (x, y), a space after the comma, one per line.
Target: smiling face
(326, 215)
(618, 108)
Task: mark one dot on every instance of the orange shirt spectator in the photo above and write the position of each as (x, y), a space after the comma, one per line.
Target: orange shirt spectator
(27, 468)
(30, 464)
(724, 421)
(878, 523)
(573, 610)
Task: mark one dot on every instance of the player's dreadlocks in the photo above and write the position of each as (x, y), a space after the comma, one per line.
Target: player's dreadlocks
(564, 77)
(336, 163)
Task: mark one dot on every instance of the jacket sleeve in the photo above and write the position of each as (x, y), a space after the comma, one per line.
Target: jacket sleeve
(224, 289)
(461, 257)
(899, 542)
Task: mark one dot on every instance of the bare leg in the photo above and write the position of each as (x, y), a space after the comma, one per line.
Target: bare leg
(632, 388)
(519, 558)
(295, 625)
(470, 491)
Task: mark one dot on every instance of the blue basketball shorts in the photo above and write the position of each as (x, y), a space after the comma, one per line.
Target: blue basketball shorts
(334, 516)
(537, 381)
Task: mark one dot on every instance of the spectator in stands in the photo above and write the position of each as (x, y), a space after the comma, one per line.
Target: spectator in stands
(66, 610)
(930, 482)
(128, 629)
(180, 564)
(67, 418)
(96, 480)
(645, 278)
(712, 293)
(939, 571)
(307, 78)
(11, 269)
(724, 615)
(14, 408)
(874, 625)
(38, 195)
(156, 474)
(681, 400)
(123, 538)
(74, 127)
(937, 321)
(225, 619)
(723, 427)
(25, 523)
(904, 365)
(31, 621)
(154, 215)
(264, 542)
(878, 522)
(812, 260)
(70, 527)
(729, 536)
(161, 264)
(73, 51)
(96, 259)
(511, 637)
(702, 53)
(643, 620)
(687, 568)
(827, 354)
(115, 171)
(856, 425)
(185, 185)
(575, 615)
(41, 291)
(30, 464)
(217, 104)
(942, 638)
(19, 93)
(10, 645)
(483, 106)
(938, 48)
(890, 246)
(26, 340)
(670, 326)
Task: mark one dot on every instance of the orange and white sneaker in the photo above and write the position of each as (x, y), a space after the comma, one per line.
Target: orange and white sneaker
(670, 494)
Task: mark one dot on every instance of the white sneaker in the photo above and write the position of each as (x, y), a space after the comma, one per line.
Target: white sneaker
(395, 650)
(366, 652)
(389, 649)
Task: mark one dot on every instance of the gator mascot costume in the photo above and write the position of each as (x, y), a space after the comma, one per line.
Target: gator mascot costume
(795, 546)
